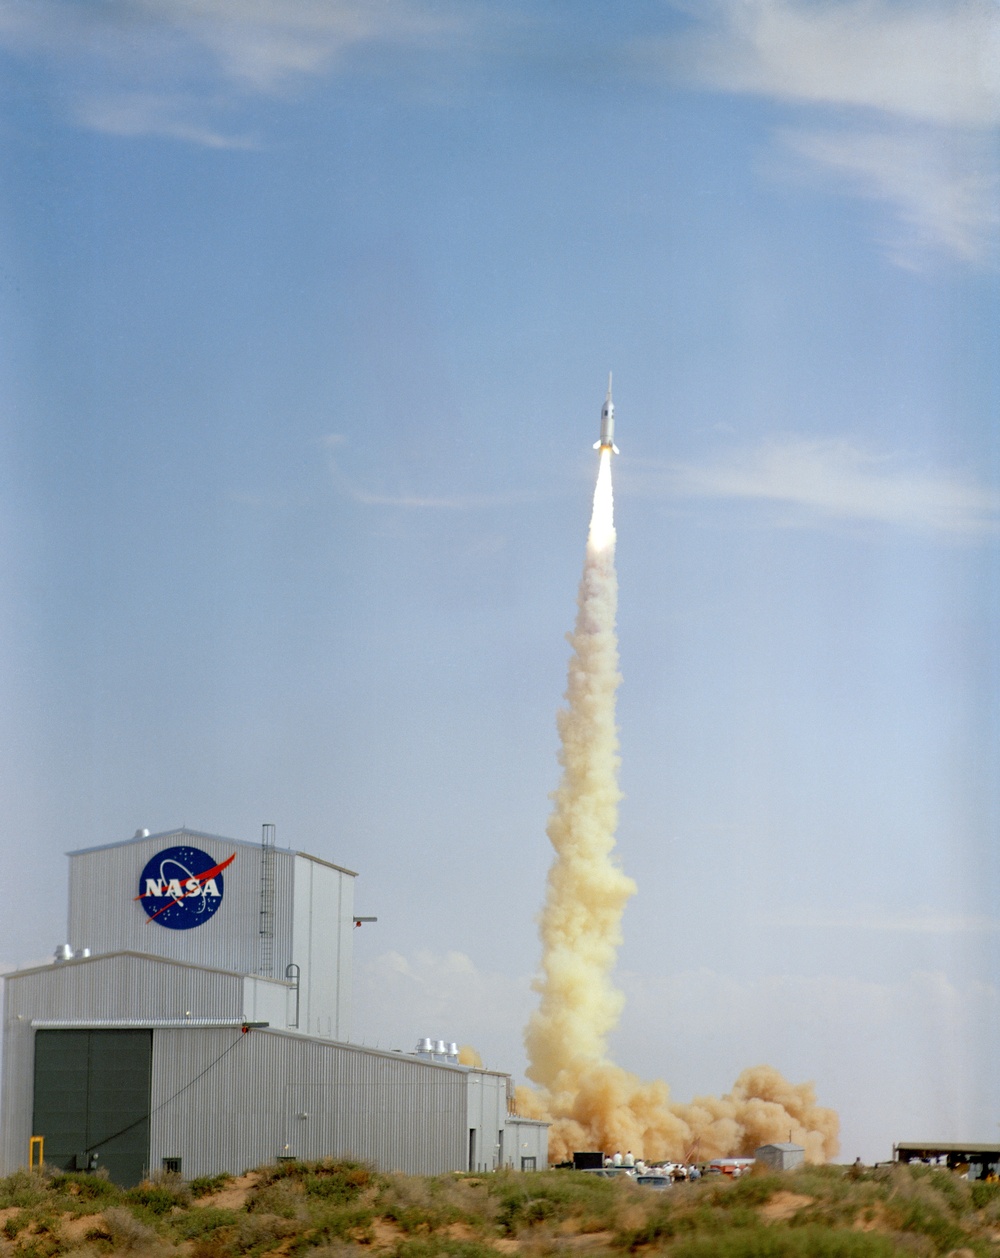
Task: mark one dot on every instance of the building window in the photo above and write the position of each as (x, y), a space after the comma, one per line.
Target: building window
(528, 1164)
(172, 1166)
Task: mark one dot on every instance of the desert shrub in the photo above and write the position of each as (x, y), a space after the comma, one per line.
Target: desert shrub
(337, 1249)
(555, 1196)
(983, 1194)
(442, 1247)
(13, 1225)
(284, 1197)
(128, 1233)
(337, 1221)
(415, 1203)
(749, 1190)
(334, 1180)
(777, 1242)
(663, 1225)
(87, 1188)
(259, 1231)
(157, 1198)
(829, 1181)
(202, 1221)
(341, 1182)
(917, 1215)
(951, 1188)
(206, 1185)
(23, 1188)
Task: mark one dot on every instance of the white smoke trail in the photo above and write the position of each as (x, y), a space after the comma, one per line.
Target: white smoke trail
(587, 891)
(591, 1102)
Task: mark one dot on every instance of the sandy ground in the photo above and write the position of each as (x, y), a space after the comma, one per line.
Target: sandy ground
(783, 1205)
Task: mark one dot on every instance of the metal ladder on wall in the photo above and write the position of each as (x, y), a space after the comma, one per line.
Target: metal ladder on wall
(266, 967)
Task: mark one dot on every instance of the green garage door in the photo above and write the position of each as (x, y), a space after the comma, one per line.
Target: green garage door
(92, 1093)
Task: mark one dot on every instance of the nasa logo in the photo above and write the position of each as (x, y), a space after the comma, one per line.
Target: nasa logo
(182, 887)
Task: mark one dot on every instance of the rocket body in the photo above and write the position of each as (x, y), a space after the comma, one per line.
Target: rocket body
(607, 438)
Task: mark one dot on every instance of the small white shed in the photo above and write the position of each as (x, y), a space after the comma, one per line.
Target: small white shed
(781, 1157)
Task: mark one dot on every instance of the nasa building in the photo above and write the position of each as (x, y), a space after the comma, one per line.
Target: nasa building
(199, 1021)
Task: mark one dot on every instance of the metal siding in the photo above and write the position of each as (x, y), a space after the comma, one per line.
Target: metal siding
(526, 1138)
(125, 989)
(105, 916)
(487, 1113)
(321, 946)
(395, 1111)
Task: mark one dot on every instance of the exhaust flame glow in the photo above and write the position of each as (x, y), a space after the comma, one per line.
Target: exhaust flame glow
(591, 1102)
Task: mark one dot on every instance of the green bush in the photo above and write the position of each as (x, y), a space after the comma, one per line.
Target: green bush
(128, 1233)
(23, 1188)
(921, 1216)
(336, 1222)
(779, 1242)
(206, 1185)
(523, 1200)
(983, 1194)
(749, 1190)
(86, 1188)
(15, 1223)
(201, 1221)
(285, 1198)
(415, 1203)
(154, 1198)
(442, 1247)
(259, 1232)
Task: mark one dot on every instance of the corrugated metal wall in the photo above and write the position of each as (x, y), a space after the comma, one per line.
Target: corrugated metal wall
(124, 989)
(222, 1100)
(526, 1139)
(313, 918)
(105, 916)
(487, 1114)
(322, 946)
(226, 1101)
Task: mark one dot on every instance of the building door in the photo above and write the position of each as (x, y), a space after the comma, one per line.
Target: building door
(92, 1091)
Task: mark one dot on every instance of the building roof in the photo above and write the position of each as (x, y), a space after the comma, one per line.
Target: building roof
(153, 957)
(185, 833)
(929, 1149)
(786, 1147)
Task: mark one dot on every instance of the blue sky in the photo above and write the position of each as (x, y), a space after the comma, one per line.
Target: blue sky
(307, 309)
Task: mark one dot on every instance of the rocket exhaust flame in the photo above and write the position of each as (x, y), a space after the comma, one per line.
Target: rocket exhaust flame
(591, 1102)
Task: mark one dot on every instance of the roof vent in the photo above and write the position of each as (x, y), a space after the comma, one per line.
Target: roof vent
(141, 833)
(64, 952)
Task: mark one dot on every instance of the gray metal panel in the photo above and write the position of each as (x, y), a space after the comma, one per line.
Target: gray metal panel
(322, 946)
(124, 990)
(486, 1112)
(105, 916)
(270, 1094)
(526, 1138)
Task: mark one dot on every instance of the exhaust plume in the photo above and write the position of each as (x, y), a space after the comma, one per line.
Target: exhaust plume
(591, 1102)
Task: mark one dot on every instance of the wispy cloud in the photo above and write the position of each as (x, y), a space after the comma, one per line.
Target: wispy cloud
(198, 51)
(928, 60)
(446, 997)
(145, 113)
(841, 480)
(945, 196)
(920, 83)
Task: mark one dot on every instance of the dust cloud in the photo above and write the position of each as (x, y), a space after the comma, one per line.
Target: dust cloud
(591, 1102)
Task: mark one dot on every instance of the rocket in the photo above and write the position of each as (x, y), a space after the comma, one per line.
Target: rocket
(607, 441)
